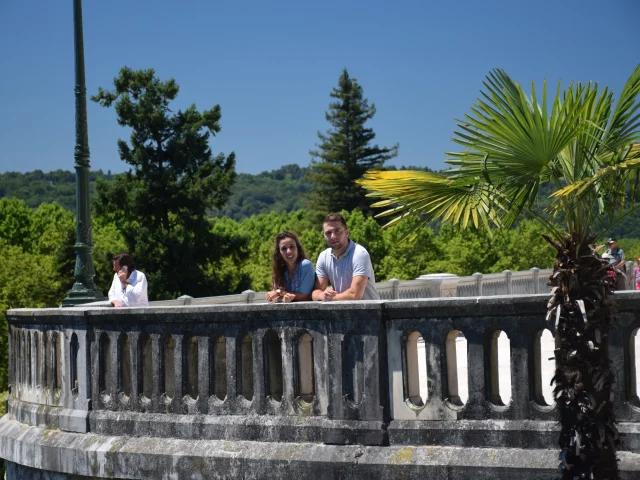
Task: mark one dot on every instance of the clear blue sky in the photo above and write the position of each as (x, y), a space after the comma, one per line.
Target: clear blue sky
(271, 66)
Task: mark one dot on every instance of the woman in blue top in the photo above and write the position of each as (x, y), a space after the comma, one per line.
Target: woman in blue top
(293, 275)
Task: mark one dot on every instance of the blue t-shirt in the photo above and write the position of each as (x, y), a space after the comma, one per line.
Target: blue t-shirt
(304, 278)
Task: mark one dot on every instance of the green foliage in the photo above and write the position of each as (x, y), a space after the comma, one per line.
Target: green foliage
(451, 250)
(345, 151)
(107, 242)
(160, 206)
(260, 230)
(280, 190)
(37, 267)
(37, 187)
(3, 398)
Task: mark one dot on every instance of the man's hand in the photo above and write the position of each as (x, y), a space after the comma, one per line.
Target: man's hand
(328, 294)
(116, 304)
(123, 277)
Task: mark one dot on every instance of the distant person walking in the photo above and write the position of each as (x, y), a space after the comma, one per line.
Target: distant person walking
(616, 258)
(345, 264)
(637, 274)
(129, 286)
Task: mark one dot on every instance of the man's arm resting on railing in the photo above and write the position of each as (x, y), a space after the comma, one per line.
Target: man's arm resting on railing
(355, 291)
(327, 294)
(319, 289)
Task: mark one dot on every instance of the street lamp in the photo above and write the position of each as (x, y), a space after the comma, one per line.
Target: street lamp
(84, 290)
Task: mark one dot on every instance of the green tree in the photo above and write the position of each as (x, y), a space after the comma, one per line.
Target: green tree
(38, 260)
(345, 151)
(587, 149)
(160, 205)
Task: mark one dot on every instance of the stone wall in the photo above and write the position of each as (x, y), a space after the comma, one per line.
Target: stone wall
(284, 390)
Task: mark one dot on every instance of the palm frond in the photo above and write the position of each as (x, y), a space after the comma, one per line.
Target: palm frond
(430, 196)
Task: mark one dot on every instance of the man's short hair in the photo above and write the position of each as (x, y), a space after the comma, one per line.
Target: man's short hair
(335, 217)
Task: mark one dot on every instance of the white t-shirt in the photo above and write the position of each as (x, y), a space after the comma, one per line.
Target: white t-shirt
(134, 294)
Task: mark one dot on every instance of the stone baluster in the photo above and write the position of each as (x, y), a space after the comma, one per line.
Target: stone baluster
(536, 279)
(436, 364)
(289, 353)
(157, 363)
(114, 367)
(178, 369)
(521, 379)
(477, 375)
(205, 351)
(334, 374)
(232, 343)
(259, 401)
(395, 288)
(33, 361)
(41, 367)
(95, 369)
(508, 274)
(12, 362)
(134, 355)
(525, 368)
(23, 362)
(619, 349)
(54, 355)
(478, 279)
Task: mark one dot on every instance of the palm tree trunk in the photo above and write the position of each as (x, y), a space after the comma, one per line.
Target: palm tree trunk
(581, 311)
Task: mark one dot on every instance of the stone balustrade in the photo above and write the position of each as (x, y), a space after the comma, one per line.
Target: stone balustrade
(114, 386)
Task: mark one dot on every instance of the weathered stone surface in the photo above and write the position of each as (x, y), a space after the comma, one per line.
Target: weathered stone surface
(125, 457)
(202, 391)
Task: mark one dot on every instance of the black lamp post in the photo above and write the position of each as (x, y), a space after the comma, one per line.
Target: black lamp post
(84, 290)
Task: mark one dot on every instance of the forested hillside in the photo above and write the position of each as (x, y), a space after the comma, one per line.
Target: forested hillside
(280, 190)
(37, 187)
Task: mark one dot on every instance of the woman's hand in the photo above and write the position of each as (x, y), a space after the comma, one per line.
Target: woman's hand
(272, 296)
(288, 297)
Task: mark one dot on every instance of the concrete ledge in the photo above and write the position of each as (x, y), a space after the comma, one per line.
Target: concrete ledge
(528, 434)
(47, 416)
(99, 456)
(268, 428)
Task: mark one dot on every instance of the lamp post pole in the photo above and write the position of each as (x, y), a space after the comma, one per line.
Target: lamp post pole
(84, 290)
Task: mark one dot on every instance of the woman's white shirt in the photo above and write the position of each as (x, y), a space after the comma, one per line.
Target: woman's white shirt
(134, 294)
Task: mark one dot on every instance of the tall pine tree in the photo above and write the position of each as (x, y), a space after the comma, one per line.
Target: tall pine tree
(345, 152)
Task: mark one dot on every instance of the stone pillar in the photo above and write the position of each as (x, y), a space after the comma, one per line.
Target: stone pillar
(478, 278)
(507, 278)
(536, 279)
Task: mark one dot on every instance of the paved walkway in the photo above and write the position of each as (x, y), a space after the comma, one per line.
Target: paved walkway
(504, 366)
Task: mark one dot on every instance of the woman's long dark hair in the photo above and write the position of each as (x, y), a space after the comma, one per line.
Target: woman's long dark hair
(279, 265)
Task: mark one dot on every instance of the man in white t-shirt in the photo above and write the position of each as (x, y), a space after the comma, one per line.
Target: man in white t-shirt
(345, 265)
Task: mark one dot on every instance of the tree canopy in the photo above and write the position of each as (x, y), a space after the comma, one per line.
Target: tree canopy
(160, 205)
(345, 151)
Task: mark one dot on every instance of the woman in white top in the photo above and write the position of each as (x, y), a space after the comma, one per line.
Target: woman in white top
(129, 287)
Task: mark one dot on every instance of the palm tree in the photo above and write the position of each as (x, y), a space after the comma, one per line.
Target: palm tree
(587, 149)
